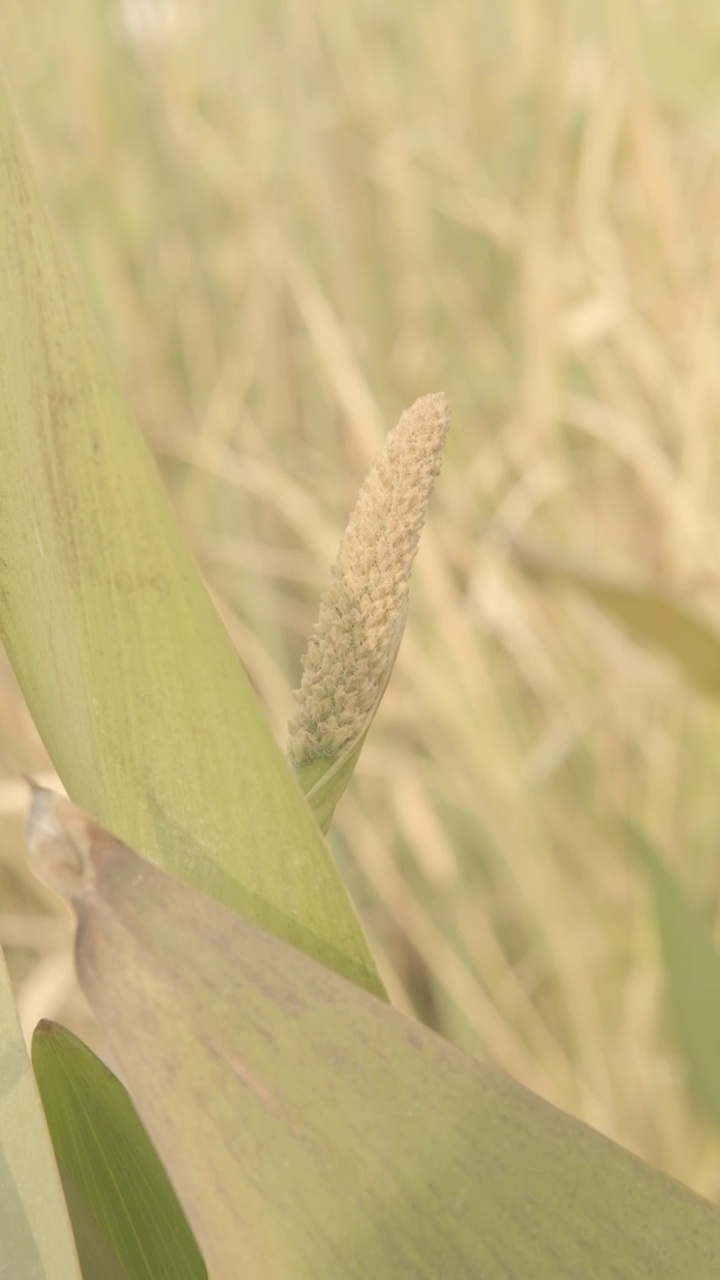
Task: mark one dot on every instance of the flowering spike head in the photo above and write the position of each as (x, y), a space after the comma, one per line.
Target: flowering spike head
(354, 643)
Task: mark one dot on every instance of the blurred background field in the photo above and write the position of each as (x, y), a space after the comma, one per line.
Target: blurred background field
(291, 218)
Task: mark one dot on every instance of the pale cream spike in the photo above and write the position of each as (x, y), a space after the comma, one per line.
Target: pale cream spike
(353, 644)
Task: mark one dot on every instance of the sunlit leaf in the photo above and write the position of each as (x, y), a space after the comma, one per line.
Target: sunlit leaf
(124, 663)
(312, 1131)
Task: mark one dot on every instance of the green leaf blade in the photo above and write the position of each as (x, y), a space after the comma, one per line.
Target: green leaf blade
(315, 1132)
(101, 1144)
(98, 1260)
(124, 663)
(36, 1240)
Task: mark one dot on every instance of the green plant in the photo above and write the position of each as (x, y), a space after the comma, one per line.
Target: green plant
(311, 1130)
(85, 524)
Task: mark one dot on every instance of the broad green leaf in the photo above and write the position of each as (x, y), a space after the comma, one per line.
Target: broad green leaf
(650, 614)
(692, 969)
(312, 1131)
(124, 663)
(103, 1150)
(36, 1241)
(98, 1260)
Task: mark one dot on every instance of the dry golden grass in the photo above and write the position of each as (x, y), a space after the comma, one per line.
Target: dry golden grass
(293, 219)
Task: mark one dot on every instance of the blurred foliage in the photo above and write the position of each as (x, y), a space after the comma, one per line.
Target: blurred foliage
(291, 220)
(692, 965)
(644, 609)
